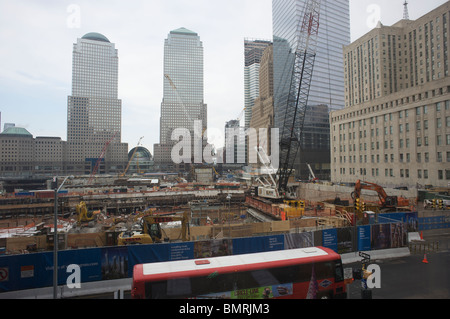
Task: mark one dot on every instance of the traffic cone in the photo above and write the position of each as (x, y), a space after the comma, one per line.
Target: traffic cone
(421, 235)
(425, 260)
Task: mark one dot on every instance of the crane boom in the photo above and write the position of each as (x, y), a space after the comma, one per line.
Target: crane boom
(174, 87)
(241, 114)
(131, 158)
(297, 102)
(97, 164)
(178, 96)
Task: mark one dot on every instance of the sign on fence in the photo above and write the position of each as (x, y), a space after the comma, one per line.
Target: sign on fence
(29, 271)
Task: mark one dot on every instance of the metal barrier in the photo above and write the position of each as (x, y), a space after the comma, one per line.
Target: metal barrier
(423, 247)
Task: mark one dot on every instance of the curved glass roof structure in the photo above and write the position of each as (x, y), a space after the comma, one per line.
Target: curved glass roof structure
(142, 154)
(184, 31)
(96, 37)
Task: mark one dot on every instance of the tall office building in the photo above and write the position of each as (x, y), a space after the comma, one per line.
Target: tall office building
(94, 111)
(262, 111)
(327, 86)
(395, 129)
(183, 102)
(234, 155)
(253, 51)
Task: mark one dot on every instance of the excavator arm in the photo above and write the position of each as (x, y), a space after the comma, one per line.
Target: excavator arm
(385, 200)
(359, 185)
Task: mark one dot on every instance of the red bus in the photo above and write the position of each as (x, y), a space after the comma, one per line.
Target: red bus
(314, 272)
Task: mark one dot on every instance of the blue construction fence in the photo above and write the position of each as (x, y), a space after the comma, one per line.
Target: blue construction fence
(19, 272)
(434, 222)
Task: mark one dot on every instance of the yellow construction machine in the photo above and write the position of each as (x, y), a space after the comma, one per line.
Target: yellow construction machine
(83, 216)
(151, 230)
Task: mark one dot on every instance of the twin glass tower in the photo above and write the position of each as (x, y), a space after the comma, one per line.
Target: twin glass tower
(183, 102)
(94, 112)
(183, 79)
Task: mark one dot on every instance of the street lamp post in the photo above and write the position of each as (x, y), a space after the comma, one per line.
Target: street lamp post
(55, 238)
(229, 214)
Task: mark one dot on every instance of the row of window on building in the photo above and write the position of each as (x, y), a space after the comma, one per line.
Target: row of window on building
(422, 174)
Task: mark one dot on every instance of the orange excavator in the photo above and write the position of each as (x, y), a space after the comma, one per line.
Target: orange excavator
(385, 200)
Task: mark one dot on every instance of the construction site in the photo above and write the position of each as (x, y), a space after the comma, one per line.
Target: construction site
(110, 223)
(96, 211)
(97, 216)
(109, 229)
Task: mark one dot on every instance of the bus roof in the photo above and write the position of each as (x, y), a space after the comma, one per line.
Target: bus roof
(199, 267)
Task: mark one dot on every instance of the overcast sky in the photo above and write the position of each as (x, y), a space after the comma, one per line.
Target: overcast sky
(37, 36)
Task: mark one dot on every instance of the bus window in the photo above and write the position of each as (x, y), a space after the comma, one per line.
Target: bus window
(339, 272)
(156, 290)
(172, 288)
(179, 287)
(324, 270)
(264, 278)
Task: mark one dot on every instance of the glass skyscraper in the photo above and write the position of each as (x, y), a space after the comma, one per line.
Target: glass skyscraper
(94, 112)
(183, 102)
(327, 86)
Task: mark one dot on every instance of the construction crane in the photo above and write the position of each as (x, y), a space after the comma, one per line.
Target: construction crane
(297, 101)
(269, 189)
(312, 176)
(132, 157)
(178, 96)
(241, 115)
(181, 102)
(102, 154)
